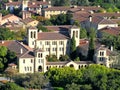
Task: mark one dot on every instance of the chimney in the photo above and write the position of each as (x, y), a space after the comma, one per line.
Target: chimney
(90, 18)
(111, 48)
(21, 51)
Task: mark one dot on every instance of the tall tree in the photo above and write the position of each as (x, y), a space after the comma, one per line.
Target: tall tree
(73, 48)
(92, 36)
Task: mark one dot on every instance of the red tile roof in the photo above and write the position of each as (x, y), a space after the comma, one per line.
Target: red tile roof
(58, 8)
(111, 30)
(6, 43)
(51, 36)
(13, 3)
(58, 28)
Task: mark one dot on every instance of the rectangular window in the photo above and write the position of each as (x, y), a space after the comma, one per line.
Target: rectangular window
(24, 61)
(101, 53)
(54, 43)
(39, 61)
(33, 43)
(25, 68)
(31, 61)
(101, 58)
(40, 43)
(30, 68)
(40, 55)
(76, 34)
(61, 42)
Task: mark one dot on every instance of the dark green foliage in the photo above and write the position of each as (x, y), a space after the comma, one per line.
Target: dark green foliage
(73, 48)
(52, 58)
(6, 57)
(11, 86)
(92, 36)
(60, 2)
(72, 86)
(111, 40)
(83, 33)
(35, 81)
(64, 58)
(6, 34)
(4, 12)
(61, 19)
(42, 28)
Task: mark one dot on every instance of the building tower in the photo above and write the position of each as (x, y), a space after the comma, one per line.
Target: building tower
(40, 61)
(32, 36)
(25, 5)
(74, 30)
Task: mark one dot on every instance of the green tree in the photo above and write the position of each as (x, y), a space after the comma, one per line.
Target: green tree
(3, 51)
(83, 2)
(11, 86)
(42, 28)
(92, 36)
(64, 58)
(6, 34)
(60, 77)
(73, 48)
(60, 2)
(72, 86)
(1, 66)
(52, 58)
(83, 33)
(33, 81)
(4, 12)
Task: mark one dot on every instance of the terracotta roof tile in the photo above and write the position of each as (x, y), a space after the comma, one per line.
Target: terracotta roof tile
(51, 36)
(28, 20)
(57, 63)
(13, 3)
(111, 30)
(107, 14)
(59, 28)
(57, 8)
(28, 54)
(6, 43)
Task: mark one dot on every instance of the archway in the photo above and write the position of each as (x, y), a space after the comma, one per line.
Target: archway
(40, 68)
(71, 65)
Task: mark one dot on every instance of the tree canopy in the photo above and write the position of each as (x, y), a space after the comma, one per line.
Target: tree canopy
(93, 77)
(6, 34)
(11, 86)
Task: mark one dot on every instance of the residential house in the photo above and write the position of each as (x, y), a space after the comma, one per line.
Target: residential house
(30, 22)
(9, 18)
(26, 5)
(105, 56)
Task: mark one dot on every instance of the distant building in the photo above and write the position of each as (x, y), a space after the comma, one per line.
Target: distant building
(26, 5)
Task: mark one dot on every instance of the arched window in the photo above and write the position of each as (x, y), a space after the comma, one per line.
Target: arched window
(40, 68)
(76, 34)
(47, 68)
(71, 65)
(31, 35)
